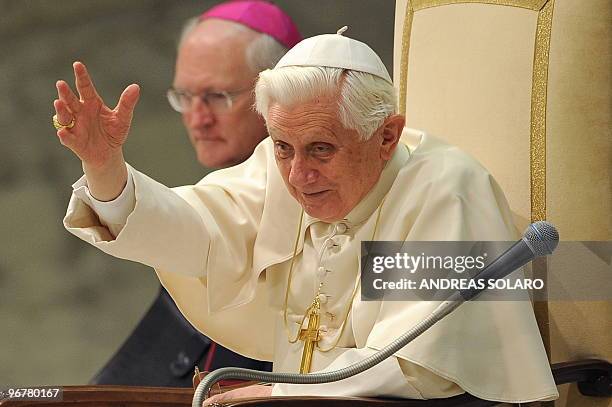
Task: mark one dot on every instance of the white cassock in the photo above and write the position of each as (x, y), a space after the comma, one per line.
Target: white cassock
(223, 250)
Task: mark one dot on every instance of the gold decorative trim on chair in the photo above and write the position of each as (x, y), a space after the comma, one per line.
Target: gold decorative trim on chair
(406, 30)
(538, 112)
(534, 5)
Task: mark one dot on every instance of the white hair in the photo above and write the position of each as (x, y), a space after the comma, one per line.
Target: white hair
(364, 102)
(263, 52)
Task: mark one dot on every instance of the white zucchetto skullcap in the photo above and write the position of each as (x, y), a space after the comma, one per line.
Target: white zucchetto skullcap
(335, 51)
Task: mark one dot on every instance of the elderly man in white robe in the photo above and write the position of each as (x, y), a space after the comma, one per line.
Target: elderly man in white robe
(248, 250)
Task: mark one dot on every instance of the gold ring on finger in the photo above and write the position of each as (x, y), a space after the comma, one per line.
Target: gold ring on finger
(59, 126)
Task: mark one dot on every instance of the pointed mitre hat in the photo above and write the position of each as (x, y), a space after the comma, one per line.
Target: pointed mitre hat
(335, 51)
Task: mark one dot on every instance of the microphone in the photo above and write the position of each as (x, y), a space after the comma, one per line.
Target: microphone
(539, 239)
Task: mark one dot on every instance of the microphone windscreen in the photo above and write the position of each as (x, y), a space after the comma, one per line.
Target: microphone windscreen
(541, 237)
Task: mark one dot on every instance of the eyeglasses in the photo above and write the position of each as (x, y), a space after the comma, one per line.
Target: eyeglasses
(219, 102)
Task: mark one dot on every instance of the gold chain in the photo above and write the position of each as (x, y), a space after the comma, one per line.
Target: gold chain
(289, 278)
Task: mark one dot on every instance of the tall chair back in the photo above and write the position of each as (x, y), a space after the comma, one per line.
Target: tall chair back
(524, 86)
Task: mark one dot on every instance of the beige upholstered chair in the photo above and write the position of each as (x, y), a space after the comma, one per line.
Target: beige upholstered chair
(524, 86)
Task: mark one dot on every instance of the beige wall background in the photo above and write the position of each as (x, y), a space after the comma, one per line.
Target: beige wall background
(65, 308)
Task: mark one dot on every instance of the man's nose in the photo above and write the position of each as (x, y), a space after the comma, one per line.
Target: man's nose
(200, 114)
(301, 172)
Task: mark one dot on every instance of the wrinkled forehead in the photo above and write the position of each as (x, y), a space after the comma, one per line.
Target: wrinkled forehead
(307, 122)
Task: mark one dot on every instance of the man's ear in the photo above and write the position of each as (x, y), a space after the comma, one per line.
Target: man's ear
(391, 132)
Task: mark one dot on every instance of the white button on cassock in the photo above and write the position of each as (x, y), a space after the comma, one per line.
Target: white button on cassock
(341, 228)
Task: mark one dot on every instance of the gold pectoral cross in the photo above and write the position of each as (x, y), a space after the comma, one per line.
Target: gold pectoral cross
(310, 335)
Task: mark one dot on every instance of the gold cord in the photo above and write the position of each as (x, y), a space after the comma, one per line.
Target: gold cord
(295, 246)
(306, 312)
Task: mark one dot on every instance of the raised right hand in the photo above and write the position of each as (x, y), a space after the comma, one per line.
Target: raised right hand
(98, 132)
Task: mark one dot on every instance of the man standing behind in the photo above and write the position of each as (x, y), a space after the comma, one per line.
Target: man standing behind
(220, 55)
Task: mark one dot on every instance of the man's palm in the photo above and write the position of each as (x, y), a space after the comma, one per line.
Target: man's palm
(98, 132)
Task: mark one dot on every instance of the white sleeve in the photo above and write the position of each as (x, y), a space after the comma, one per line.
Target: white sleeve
(162, 231)
(112, 214)
(384, 379)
